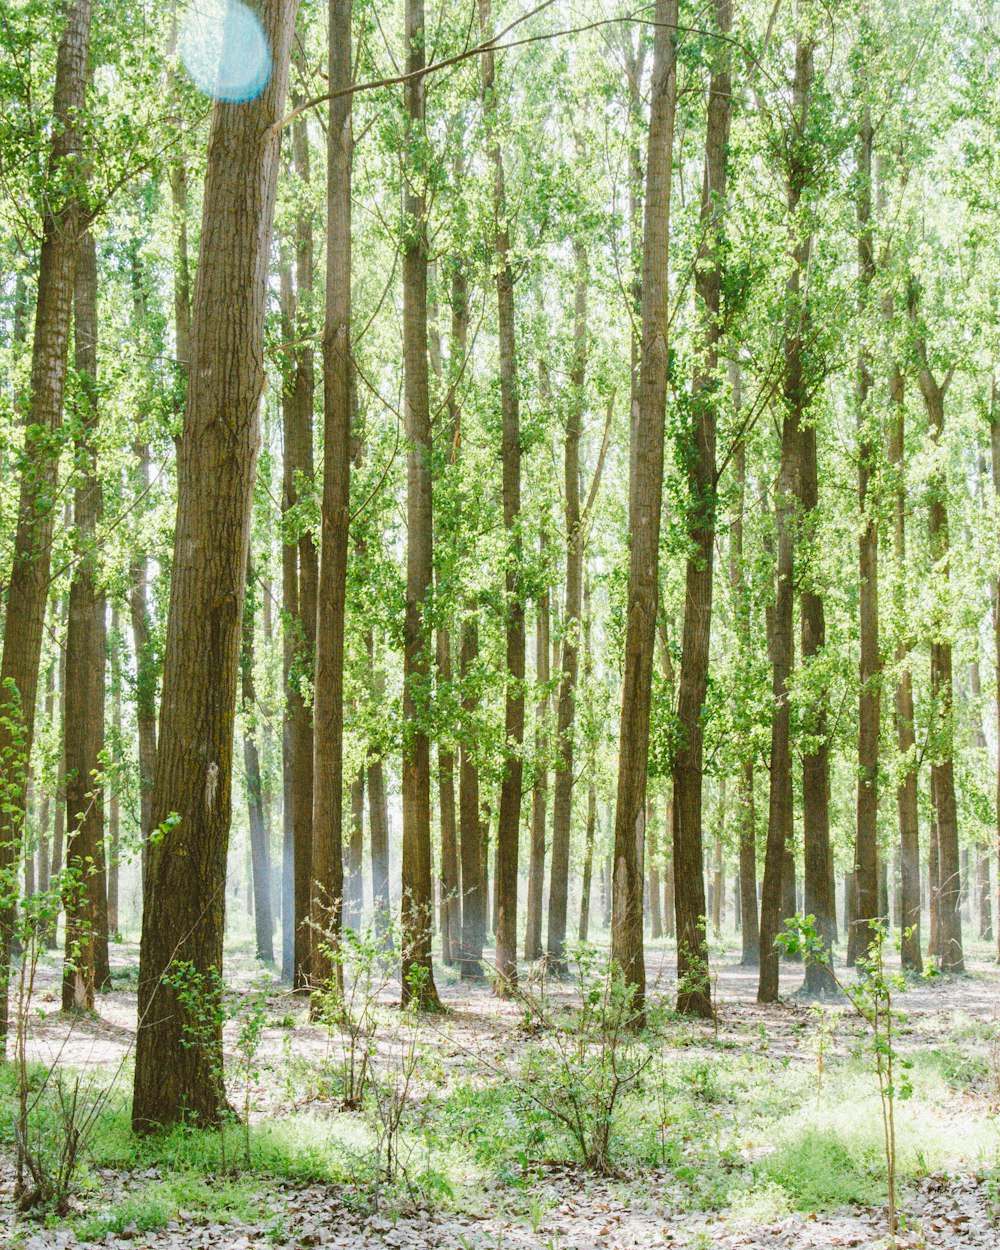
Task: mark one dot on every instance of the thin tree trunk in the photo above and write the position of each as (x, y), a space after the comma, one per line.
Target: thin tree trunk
(995, 462)
(418, 898)
(354, 902)
(474, 885)
(655, 911)
(327, 871)
(646, 495)
(781, 645)
(539, 793)
(28, 587)
(85, 898)
(562, 809)
(184, 890)
(950, 953)
(588, 860)
(114, 802)
(694, 996)
(378, 817)
(866, 848)
(260, 851)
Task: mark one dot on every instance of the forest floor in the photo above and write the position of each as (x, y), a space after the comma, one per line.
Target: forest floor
(759, 1130)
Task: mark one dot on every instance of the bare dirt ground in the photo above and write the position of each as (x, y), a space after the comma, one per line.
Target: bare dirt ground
(575, 1210)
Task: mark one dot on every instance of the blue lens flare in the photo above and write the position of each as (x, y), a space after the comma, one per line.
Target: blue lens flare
(223, 47)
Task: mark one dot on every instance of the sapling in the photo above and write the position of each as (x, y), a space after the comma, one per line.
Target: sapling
(872, 998)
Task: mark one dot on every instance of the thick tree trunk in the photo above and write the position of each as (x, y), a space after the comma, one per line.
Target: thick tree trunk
(260, 850)
(539, 792)
(184, 891)
(646, 495)
(327, 871)
(418, 897)
(28, 587)
(85, 896)
(780, 641)
(698, 454)
(949, 951)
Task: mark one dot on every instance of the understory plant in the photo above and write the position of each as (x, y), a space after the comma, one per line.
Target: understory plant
(872, 997)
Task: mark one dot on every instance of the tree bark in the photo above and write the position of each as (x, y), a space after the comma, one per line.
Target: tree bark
(781, 647)
(85, 899)
(114, 802)
(28, 588)
(327, 872)
(646, 495)
(473, 876)
(184, 890)
(540, 789)
(260, 850)
(562, 806)
(950, 952)
(418, 897)
(698, 453)
(861, 932)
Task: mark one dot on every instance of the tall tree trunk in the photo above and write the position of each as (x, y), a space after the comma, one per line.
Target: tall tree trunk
(780, 642)
(300, 578)
(906, 792)
(59, 799)
(540, 789)
(655, 912)
(995, 462)
(950, 953)
(694, 996)
(85, 896)
(184, 890)
(48, 802)
(474, 889)
(260, 850)
(418, 897)
(354, 898)
(378, 813)
(327, 872)
(562, 808)
(747, 819)
(588, 860)
(28, 587)
(509, 823)
(866, 847)
(114, 802)
(646, 495)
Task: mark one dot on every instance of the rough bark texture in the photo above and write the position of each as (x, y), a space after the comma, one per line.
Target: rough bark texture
(646, 494)
(780, 641)
(327, 872)
(698, 451)
(184, 890)
(28, 588)
(85, 898)
(418, 897)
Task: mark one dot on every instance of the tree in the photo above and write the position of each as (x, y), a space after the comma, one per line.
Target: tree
(698, 452)
(184, 889)
(417, 904)
(64, 214)
(260, 850)
(646, 490)
(86, 967)
(327, 872)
